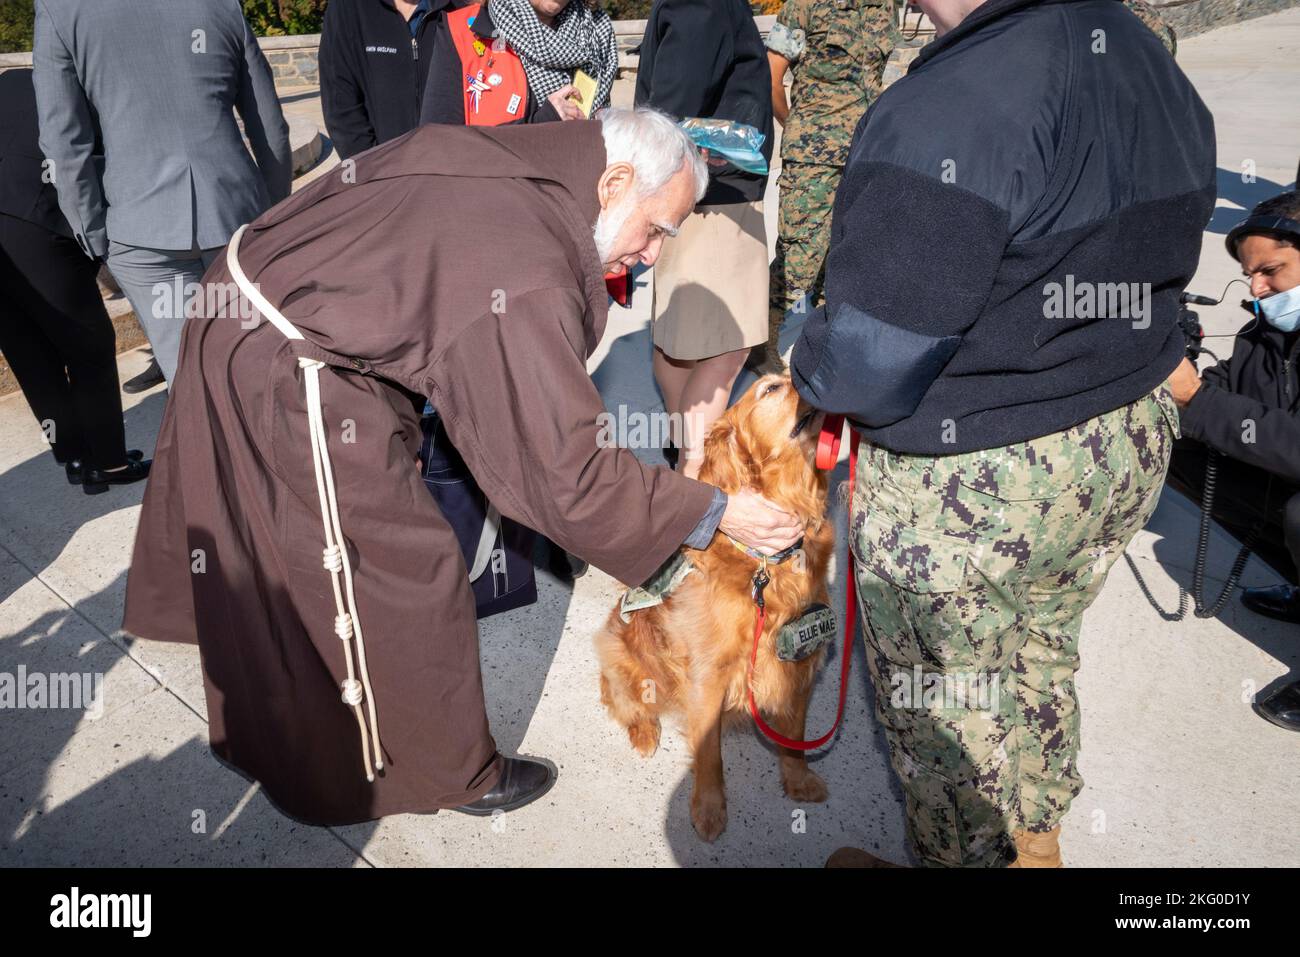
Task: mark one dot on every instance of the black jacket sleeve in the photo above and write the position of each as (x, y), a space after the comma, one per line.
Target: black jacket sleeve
(1220, 373)
(444, 99)
(1244, 428)
(692, 55)
(342, 87)
(1229, 412)
(264, 122)
(541, 111)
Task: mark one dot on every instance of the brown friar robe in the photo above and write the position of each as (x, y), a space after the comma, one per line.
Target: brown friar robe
(453, 263)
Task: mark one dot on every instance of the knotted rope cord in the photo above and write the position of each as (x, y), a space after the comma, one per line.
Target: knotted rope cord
(347, 622)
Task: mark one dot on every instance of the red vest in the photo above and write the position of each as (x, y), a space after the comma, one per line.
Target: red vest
(494, 104)
(494, 83)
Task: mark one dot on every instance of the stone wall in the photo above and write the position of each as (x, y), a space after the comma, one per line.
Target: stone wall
(293, 61)
(1190, 17)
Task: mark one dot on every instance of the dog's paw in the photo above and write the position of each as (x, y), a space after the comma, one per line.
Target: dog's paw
(644, 736)
(709, 815)
(806, 786)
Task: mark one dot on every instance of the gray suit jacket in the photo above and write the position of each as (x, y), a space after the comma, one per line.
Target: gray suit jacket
(135, 99)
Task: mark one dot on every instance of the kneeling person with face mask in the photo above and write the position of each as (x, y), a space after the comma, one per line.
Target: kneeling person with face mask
(1248, 409)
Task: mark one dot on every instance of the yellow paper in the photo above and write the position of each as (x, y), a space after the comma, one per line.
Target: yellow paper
(587, 87)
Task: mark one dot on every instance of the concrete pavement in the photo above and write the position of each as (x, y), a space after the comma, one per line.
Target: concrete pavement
(1179, 771)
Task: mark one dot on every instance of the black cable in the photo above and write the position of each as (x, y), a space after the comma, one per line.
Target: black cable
(1202, 553)
(1178, 615)
(1203, 546)
(916, 30)
(1192, 299)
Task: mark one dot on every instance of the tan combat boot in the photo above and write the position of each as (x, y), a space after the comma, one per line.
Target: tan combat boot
(1038, 849)
(856, 857)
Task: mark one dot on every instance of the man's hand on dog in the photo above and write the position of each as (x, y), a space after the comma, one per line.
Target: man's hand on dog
(756, 522)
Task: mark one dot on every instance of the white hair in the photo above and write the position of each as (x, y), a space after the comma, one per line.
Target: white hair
(654, 145)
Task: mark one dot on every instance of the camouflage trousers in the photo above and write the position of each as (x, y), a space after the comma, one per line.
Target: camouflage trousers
(973, 574)
(803, 235)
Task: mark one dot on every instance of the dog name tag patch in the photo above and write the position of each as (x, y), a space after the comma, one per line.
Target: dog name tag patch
(801, 637)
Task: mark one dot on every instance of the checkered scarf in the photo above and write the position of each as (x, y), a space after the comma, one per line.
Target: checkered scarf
(581, 39)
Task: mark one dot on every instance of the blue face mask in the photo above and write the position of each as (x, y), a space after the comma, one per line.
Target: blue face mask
(1281, 310)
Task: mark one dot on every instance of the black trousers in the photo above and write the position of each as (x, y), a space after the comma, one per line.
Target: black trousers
(1245, 497)
(59, 341)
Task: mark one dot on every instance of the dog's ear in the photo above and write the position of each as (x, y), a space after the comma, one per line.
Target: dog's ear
(728, 463)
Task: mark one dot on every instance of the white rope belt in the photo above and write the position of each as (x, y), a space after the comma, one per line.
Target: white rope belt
(487, 541)
(347, 623)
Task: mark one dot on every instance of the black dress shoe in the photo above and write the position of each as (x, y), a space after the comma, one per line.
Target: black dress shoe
(147, 379)
(1277, 601)
(76, 471)
(95, 481)
(1282, 707)
(522, 781)
(567, 568)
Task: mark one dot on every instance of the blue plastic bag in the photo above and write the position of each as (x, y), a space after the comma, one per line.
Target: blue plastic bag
(739, 143)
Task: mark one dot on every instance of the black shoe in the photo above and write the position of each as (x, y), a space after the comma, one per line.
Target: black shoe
(1282, 707)
(522, 781)
(577, 566)
(76, 471)
(567, 568)
(95, 481)
(1277, 601)
(147, 379)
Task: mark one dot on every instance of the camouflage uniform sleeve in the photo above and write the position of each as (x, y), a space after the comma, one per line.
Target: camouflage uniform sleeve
(884, 31)
(1149, 15)
(789, 36)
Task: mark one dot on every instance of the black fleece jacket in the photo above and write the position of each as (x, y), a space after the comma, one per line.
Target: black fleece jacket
(1034, 158)
(372, 71)
(706, 58)
(1248, 406)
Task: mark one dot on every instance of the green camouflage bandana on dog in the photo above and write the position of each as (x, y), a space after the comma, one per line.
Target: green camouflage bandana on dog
(657, 587)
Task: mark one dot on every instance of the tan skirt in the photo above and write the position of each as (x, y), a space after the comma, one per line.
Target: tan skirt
(710, 283)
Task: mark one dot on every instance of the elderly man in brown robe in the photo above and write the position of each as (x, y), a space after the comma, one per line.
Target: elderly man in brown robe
(286, 528)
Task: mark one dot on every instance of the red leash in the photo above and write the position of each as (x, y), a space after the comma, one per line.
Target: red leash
(828, 451)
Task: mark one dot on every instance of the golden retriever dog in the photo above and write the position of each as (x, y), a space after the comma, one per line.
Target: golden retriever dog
(690, 655)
